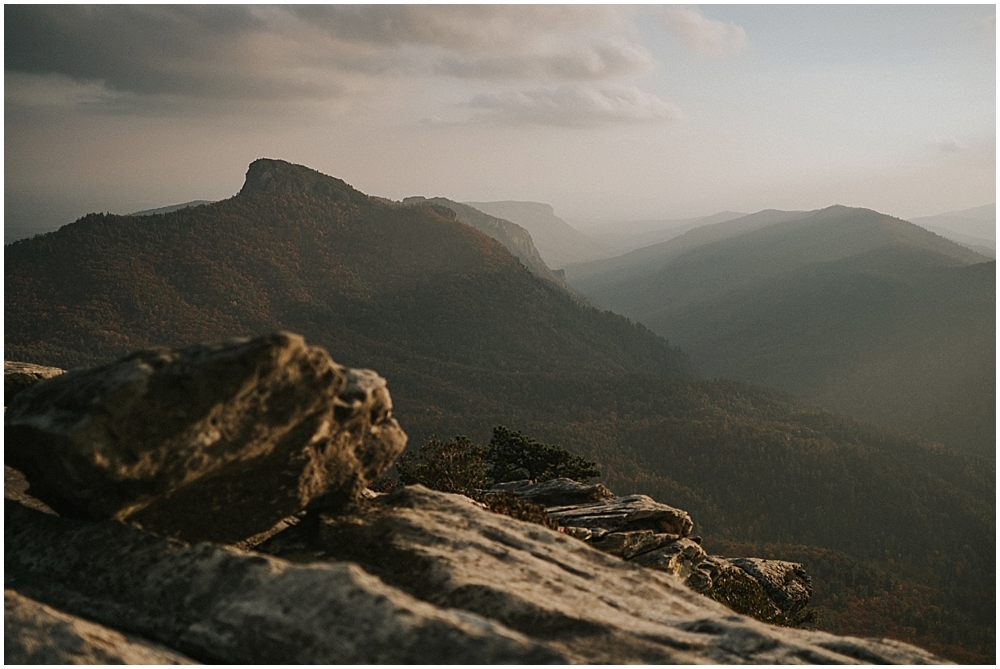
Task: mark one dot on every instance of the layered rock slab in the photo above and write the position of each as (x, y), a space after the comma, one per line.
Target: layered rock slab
(588, 606)
(34, 633)
(768, 589)
(209, 442)
(218, 605)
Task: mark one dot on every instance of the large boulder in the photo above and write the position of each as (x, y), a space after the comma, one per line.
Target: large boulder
(209, 442)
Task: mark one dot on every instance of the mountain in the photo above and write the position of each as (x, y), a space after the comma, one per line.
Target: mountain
(595, 274)
(627, 236)
(468, 338)
(558, 242)
(302, 250)
(515, 239)
(976, 226)
(857, 311)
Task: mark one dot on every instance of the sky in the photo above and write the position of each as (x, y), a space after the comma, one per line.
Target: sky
(605, 112)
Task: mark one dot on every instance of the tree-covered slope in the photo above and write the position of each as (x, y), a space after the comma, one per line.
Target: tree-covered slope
(468, 338)
(303, 251)
(860, 312)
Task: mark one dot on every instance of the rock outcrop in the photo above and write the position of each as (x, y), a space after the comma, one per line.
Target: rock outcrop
(416, 576)
(413, 576)
(654, 535)
(20, 375)
(215, 442)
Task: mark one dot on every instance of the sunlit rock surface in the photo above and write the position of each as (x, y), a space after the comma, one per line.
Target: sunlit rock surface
(215, 442)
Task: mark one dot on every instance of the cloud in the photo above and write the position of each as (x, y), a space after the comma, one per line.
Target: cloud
(596, 60)
(312, 52)
(574, 106)
(702, 35)
(460, 28)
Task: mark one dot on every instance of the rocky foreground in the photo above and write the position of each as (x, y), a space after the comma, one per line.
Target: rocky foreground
(210, 504)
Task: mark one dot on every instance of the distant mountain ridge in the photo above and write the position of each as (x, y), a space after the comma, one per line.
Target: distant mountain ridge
(977, 223)
(628, 236)
(652, 258)
(861, 312)
(557, 241)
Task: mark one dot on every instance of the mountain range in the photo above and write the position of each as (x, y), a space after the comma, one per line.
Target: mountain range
(975, 228)
(859, 312)
(468, 338)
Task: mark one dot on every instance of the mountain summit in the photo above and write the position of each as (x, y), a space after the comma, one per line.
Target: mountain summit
(278, 177)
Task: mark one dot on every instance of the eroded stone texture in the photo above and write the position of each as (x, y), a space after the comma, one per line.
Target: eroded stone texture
(620, 514)
(556, 492)
(34, 633)
(627, 545)
(767, 588)
(215, 442)
(589, 606)
(677, 557)
(786, 583)
(219, 605)
(20, 375)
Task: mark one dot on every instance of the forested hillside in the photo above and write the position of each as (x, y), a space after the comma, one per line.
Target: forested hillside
(859, 312)
(468, 338)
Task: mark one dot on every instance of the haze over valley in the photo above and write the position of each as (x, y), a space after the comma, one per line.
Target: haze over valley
(740, 259)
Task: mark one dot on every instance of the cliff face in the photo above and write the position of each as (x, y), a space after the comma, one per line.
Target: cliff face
(515, 238)
(413, 576)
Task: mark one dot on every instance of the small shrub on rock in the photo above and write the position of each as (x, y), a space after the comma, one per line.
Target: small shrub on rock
(457, 465)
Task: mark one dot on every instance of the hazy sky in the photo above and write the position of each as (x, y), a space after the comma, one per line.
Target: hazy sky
(619, 111)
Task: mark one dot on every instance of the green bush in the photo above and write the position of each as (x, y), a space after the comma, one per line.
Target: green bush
(513, 456)
(461, 466)
(456, 465)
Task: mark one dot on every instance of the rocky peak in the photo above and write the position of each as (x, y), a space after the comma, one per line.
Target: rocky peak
(268, 175)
